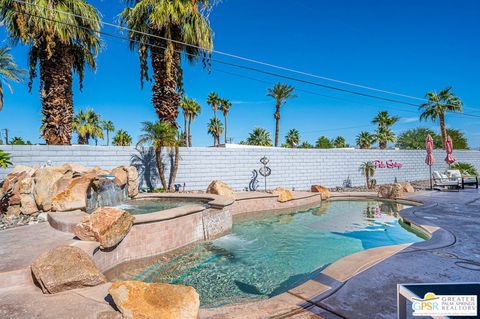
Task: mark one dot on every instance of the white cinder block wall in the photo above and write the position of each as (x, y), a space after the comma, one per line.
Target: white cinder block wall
(298, 168)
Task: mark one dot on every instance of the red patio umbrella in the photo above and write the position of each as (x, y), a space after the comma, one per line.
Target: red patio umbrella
(429, 160)
(449, 148)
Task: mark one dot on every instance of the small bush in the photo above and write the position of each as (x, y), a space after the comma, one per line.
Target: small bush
(465, 168)
(5, 159)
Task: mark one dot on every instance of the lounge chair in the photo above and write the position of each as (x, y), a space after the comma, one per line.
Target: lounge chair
(443, 182)
(463, 179)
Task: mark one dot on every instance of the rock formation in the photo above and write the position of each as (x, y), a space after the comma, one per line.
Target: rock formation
(221, 188)
(324, 192)
(284, 195)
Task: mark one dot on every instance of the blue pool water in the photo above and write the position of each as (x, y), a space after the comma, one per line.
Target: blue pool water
(265, 257)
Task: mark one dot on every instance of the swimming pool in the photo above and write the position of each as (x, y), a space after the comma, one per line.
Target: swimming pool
(146, 206)
(264, 257)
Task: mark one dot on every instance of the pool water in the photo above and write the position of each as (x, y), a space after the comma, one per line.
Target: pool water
(137, 207)
(265, 257)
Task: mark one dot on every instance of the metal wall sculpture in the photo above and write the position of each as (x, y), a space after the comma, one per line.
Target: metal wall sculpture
(253, 185)
(265, 171)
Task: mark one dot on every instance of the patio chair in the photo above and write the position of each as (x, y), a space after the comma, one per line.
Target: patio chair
(463, 179)
(443, 182)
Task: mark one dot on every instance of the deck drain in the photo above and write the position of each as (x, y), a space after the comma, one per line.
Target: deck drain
(470, 265)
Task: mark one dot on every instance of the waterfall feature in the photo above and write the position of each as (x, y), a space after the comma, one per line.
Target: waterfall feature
(105, 192)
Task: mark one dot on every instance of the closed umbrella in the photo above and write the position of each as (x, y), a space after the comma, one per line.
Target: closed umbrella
(429, 160)
(449, 148)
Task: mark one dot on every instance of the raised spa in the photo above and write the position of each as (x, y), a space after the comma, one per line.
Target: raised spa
(266, 256)
(146, 206)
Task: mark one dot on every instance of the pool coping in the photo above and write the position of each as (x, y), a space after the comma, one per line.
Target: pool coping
(335, 275)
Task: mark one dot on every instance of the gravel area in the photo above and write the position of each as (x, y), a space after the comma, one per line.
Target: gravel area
(21, 220)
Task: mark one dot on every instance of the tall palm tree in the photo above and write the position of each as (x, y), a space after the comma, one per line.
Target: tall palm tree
(365, 139)
(164, 26)
(63, 37)
(281, 93)
(215, 128)
(108, 127)
(87, 125)
(9, 71)
(384, 134)
(191, 109)
(439, 104)
(122, 138)
(214, 101)
(162, 135)
(292, 139)
(368, 170)
(184, 105)
(225, 106)
(259, 137)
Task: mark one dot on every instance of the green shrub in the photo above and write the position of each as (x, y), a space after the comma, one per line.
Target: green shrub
(5, 159)
(465, 168)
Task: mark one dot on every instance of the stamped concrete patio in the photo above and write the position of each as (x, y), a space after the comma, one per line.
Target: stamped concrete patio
(451, 255)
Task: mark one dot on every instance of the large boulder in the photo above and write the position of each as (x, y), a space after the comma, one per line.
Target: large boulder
(132, 184)
(407, 187)
(28, 205)
(121, 175)
(390, 191)
(70, 193)
(137, 299)
(17, 191)
(45, 179)
(324, 192)
(284, 195)
(64, 268)
(221, 188)
(107, 225)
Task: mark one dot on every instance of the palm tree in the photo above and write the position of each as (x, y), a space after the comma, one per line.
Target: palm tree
(191, 109)
(339, 142)
(259, 137)
(368, 170)
(9, 71)
(439, 104)
(215, 128)
(180, 21)
(63, 37)
(122, 138)
(225, 108)
(87, 125)
(384, 134)
(214, 101)
(292, 139)
(108, 127)
(365, 140)
(162, 135)
(281, 93)
(17, 140)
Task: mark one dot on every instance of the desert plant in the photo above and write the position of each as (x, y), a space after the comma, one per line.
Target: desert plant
(466, 169)
(19, 141)
(215, 128)
(225, 106)
(384, 133)
(5, 160)
(339, 142)
(368, 170)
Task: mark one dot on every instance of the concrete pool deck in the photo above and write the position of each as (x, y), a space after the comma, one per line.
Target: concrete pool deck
(451, 255)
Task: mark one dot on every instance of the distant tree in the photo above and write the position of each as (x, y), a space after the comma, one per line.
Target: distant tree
(365, 140)
(438, 105)
(87, 125)
(414, 139)
(466, 169)
(225, 106)
(108, 127)
(339, 142)
(19, 141)
(280, 93)
(306, 145)
(122, 138)
(384, 133)
(259, 137)
(214, 101)
(215, 128)
(9, 71)
(323, 142)
(292, 139)
(191, 109)
(459, 139)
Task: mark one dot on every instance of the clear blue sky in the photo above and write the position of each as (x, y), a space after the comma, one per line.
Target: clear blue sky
(405, 46)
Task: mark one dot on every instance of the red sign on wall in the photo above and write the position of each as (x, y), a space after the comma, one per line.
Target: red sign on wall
(387, 164)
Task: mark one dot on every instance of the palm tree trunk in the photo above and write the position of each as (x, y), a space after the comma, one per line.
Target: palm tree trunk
(277, 123)
(108, 138)
(56, 95)
(161, 171)
(225, 137)
(443, 130)
(382, 145)
(174, 169)
(165, 64)
(189, 135)
(367, 177)
(1, 95)
(185, 137)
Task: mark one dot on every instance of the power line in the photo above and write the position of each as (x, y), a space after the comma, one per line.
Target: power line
(231, 55)
(232, 64)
